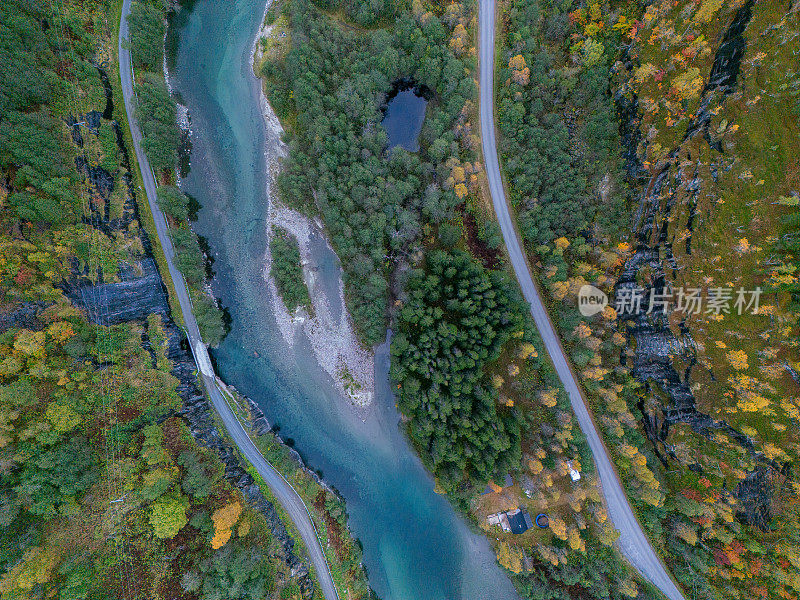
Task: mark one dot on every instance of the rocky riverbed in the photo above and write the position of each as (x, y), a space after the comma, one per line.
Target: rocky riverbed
(330, 329)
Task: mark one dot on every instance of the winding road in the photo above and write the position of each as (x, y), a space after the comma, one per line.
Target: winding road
(282, 490)
(632, 541)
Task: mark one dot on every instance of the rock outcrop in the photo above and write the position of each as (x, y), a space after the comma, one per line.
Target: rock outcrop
(655, 342)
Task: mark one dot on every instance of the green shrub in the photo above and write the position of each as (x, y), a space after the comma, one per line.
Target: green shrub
(173, 202)
(287, 270)
(146, 38)
(210, 319)
(156, 112)
(188, 256)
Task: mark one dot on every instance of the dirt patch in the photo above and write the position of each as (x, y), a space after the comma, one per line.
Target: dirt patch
(490, 258)
(126, 414)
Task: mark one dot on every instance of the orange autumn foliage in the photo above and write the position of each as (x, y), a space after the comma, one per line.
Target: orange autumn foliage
(224, 519)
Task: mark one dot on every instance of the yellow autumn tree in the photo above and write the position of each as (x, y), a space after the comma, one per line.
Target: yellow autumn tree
(520, 73)
(168, 516)
(547, 554)
(62, 417)
(61, 331)
(458, 41)
(559, 289)
(689, 84)
(644, 72)
(30, 343)
(510, 557)
(652, 497)
(609, 313)
(224, 519)
(750, 393)
(707, 10)
(593, 51)
(595, 374)
(607, 534)
(575, 540)
(34, 569)
(562, 243)
(559, 528)
(575, 503)
(583, 331)
(686, 532)
(629, 588)
(738, 360)
(613, 426)
(548, 397)
(743, 247)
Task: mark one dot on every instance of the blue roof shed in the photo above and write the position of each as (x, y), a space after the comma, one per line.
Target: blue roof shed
(519, 521)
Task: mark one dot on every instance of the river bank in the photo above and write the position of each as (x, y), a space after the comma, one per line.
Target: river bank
(415, 546)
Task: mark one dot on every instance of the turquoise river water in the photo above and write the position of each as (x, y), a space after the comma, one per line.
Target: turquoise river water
(415, 546)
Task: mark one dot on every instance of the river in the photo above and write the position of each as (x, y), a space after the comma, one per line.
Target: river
(415, 546)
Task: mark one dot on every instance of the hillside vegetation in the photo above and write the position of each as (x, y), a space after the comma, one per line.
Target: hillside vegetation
(104, 491)
(680, 121)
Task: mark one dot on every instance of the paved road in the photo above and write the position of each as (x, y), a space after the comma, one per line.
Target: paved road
(284, 492)
(633, 542)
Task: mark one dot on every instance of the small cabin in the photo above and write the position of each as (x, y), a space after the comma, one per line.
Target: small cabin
(512, 521)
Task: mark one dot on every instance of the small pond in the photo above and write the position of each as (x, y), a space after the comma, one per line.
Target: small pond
(405, 112)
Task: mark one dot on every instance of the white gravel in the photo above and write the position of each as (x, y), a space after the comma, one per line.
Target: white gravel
(333, 341)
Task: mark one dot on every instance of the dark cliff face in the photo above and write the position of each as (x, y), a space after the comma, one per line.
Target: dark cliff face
(136, 296)
(653, 267)
(24, 316)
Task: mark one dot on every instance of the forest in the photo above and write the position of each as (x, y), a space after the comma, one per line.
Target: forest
(287, 270)
(559, 131)
(104, 490)
(328, 90)
(455, 320)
